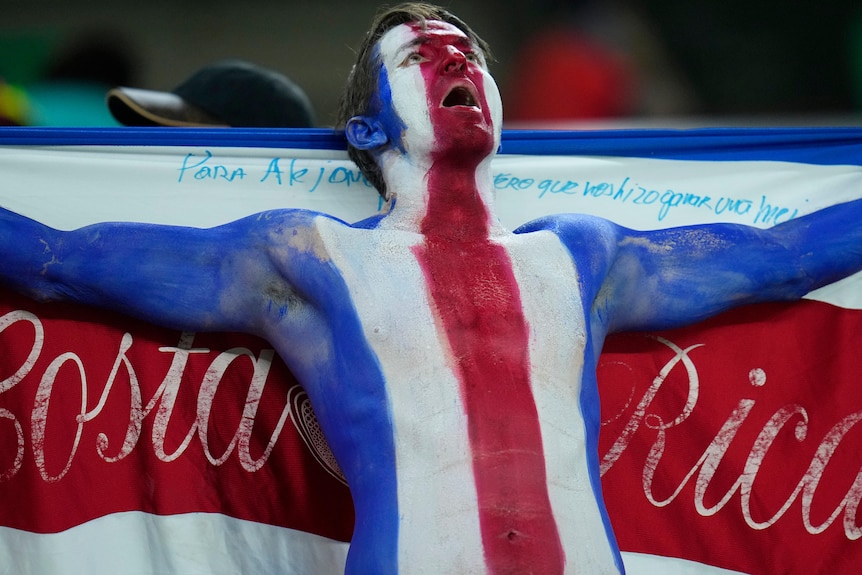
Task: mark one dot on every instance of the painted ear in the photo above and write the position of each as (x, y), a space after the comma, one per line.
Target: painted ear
(365, 133)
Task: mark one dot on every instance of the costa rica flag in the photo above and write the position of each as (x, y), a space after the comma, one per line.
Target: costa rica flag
(729, 445)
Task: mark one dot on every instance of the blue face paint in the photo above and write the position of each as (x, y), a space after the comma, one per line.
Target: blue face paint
(382, 108)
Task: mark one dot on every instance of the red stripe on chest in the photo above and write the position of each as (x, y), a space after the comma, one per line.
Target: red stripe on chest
(473, 289)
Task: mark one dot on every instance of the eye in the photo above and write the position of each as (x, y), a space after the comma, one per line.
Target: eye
(413, 58)
(473, 57)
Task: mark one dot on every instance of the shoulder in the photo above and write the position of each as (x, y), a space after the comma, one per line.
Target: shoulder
(592, 242)
(284, 227)
(276, 221)
(285, 242)
(577, 230)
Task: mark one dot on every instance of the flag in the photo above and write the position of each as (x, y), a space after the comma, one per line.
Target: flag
(125, 447)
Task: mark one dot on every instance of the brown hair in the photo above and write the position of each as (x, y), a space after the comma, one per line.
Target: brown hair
(363, 78)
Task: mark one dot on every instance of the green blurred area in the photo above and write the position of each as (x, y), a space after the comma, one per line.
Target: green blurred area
(25, 54)
(38, 93)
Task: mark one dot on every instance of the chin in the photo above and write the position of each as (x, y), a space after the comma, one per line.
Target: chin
(466, 139)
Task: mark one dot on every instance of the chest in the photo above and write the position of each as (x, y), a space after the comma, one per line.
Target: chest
(405, 289)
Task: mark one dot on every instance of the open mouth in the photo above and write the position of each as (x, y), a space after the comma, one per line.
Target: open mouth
(460, 96)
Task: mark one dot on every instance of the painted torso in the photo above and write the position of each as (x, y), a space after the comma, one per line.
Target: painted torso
(450, 362)
(399, 426)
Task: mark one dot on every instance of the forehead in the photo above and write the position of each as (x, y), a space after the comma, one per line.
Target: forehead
(406, 36)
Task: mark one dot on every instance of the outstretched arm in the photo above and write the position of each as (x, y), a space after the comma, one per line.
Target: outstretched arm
(665, 278)
(676, 276)
(220, 278)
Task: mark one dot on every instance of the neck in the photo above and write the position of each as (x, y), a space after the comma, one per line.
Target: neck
(445, 197)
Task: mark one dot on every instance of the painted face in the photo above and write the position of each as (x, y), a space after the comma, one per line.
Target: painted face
(436, 84)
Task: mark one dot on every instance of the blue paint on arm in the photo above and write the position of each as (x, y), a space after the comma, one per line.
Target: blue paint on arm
(673, 277)
(181, 277)
(658, 279)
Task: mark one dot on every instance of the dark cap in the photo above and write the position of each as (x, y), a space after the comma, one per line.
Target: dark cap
(229, 93)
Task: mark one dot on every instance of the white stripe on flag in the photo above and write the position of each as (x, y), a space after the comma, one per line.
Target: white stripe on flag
(643, 564)
(137, 543)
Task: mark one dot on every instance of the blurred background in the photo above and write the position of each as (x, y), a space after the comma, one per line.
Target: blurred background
(613, 63)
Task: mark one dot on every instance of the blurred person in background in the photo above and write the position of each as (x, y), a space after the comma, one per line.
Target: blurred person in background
(226, 93)
(595, 60)
(71, 91)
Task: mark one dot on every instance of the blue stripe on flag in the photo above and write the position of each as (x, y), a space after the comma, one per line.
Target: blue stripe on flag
(825, 146)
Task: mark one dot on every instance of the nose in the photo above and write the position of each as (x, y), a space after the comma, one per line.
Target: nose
(454, 61)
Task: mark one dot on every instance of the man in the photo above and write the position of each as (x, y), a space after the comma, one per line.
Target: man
(451, 363)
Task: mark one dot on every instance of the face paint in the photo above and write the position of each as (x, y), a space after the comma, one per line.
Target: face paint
(381, 105)
(441, 90)
(487, 336)
(401, 93)
(455, 82)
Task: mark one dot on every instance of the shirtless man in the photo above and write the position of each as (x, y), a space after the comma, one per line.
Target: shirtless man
(451, 363)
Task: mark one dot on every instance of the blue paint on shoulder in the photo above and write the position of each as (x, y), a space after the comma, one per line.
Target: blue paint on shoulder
(351, 401)
(591, 411)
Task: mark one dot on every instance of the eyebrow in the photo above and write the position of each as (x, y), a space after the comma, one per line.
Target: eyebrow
(460, 41)
(418, 41)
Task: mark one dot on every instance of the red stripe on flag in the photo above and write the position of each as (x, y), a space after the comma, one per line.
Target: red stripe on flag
(59, 469)
(737, 442)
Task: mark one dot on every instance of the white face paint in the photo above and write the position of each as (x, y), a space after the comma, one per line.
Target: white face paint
(406, 90)
(439, 86)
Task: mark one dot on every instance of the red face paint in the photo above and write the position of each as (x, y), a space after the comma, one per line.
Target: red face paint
(473, 287)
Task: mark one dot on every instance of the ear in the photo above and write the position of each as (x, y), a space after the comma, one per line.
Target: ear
(365, 133)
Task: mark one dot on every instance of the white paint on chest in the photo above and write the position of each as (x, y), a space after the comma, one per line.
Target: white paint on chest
(554, 310)
(439, 530)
